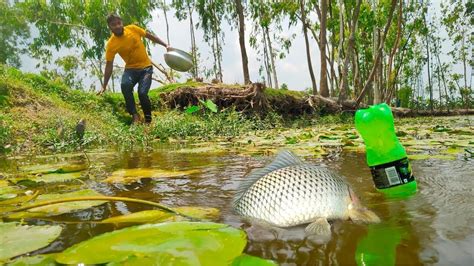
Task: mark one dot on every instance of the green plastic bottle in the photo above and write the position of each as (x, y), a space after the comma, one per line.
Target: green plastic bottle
(386, 157)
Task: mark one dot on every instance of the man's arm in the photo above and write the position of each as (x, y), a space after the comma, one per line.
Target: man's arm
(156, 39)
(109, 66)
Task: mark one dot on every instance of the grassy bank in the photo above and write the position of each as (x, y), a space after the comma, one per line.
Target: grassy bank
(38, 115)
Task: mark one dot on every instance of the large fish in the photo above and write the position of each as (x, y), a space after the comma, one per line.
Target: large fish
(290, 192)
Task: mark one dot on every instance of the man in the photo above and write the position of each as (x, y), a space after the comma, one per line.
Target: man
(127, 42)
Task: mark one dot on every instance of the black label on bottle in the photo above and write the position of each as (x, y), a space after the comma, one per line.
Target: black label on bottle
(392, 174)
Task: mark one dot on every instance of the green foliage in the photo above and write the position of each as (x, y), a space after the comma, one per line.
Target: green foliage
(404, 95)
(209, 104)
(14, 31)
(68, 67)
(3, 94)
(5, 134)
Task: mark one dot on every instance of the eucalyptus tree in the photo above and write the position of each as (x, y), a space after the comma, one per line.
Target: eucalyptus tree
(426, 34)
(14, 31)
(236, 18)
(211, 13)
(378, 52)
(260, 14)
(184, 9)
(239, 8)
(300, 11)
(323, 85)
(344, 84)
(458, 23)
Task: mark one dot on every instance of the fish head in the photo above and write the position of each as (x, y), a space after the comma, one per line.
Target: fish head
(359, 213)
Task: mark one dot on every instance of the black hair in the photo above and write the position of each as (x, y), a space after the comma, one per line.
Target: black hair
(112, 17)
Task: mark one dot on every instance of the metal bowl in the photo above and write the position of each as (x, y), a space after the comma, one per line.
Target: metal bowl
(178, 60)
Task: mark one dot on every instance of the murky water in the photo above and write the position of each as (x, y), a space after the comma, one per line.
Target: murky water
(435, 226)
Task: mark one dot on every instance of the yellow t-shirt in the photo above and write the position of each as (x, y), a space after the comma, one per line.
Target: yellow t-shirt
(129, 46)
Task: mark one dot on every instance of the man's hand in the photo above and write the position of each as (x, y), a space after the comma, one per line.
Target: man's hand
(102, 90)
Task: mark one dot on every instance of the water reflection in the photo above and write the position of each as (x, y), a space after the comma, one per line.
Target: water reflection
(435, 226)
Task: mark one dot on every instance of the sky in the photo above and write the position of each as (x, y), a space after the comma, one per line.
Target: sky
(292, 70)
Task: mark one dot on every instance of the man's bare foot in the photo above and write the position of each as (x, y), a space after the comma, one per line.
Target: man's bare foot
(136, 119)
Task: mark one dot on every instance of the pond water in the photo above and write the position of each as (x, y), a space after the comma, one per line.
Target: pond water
(435, 226)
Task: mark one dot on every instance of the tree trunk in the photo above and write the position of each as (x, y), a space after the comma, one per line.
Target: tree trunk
(429, 66)
(218, 47)
(272, 57)
(323, 86)
(166, 21)
(379, 54)
(344, 85)
(243, 50)
(266, 60)
(467, 100)
(390, 74)
(195, 69)
(308, 51)
(378, 72)
(444, 82)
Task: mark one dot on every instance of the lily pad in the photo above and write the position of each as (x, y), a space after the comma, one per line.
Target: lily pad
(132, 175)
(8, 192)
(60, 208)
(52, 178)
(39, 260)
(248, 260)
(19, 239)
(153, 216)
(210, 148)
(53, 168)
(181, 243)
(431, 156)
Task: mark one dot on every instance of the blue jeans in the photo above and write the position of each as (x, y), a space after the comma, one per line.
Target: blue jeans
(131, 77)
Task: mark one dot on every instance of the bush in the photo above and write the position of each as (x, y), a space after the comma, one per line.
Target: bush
(5, 125)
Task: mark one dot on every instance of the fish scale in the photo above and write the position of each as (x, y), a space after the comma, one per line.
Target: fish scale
(294, 195)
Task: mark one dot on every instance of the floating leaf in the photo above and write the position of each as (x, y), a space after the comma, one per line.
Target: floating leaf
(4, 183)
(132, 175)
(201, 150)
(19, 239)
(39, 260)
(180, 243)
(52, 178)
(453, 150)
(462, 132)
(20, 199)
(351, 136)
(53, 168)
(8, 192)
(439, 128)
(60, 208)
(153, 216)
(329, 137)
(401, 133)
(291, 140)
(248, 260)
(431, 156)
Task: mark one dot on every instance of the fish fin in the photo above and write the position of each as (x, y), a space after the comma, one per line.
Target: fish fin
(319, 231)
(362, 214)
(283, 159)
